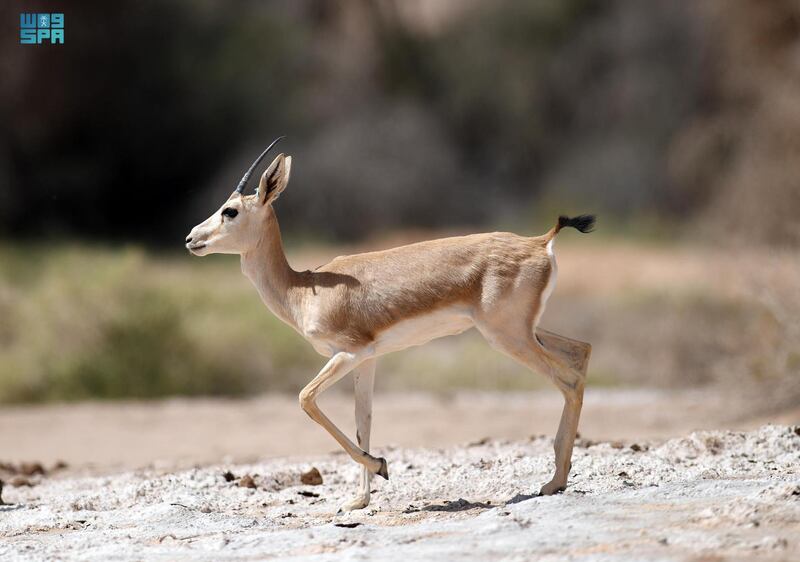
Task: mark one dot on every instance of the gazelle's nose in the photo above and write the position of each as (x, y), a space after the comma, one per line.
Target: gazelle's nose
(188, 239)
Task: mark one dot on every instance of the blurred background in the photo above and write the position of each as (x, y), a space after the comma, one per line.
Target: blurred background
(676, 121)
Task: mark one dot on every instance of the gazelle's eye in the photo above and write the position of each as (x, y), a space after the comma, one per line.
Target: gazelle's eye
(229, 212)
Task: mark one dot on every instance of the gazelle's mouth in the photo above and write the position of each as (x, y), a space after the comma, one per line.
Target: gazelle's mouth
(196, 247)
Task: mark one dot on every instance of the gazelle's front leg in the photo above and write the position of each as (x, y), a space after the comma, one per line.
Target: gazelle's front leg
(364, 383)
(338, 366)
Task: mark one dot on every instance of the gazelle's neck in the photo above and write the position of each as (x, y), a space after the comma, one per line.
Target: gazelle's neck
(268, 270)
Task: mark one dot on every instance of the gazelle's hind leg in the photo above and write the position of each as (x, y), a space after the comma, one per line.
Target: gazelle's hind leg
(364, 383)
(575, 355)
(564, 362)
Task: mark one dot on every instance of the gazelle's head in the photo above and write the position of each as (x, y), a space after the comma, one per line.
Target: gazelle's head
(237, 226)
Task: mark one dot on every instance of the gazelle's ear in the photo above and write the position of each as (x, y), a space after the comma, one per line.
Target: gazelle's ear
(275, 179)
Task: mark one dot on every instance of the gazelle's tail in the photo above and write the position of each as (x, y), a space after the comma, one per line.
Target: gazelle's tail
(583, 223)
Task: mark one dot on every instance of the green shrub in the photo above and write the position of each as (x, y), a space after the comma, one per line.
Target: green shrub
(81, 323)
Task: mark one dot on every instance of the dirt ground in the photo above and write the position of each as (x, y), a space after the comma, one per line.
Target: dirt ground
(183, 432)
(458, 468)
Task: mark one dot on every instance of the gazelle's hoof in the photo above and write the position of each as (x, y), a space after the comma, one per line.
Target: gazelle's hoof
(552, 487)
(358, 502)
(384, 468)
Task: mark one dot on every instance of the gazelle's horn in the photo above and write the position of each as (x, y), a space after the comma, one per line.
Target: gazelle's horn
(249, 172)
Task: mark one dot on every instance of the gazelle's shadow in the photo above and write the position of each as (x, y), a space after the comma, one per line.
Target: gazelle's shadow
(522, 497)
(461, 504)
(11, 507)
(453, 506)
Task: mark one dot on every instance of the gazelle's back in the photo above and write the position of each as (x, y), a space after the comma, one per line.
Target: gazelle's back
(380, 289)
(500, 251)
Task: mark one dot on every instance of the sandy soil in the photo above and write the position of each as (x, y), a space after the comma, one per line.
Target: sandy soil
(710, 495)
(182, 433)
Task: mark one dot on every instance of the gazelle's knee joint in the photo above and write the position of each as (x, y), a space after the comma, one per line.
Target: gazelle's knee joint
(306, 399)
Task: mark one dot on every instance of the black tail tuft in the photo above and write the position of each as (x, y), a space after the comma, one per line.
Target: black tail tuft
(584, 223)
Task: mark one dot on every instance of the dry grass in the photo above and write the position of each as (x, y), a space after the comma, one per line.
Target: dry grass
(681, 316)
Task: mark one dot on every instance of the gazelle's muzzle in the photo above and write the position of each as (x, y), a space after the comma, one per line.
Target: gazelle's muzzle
(197, 240)
(196, 248)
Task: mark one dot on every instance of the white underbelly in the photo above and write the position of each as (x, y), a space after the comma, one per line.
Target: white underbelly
(423, 328)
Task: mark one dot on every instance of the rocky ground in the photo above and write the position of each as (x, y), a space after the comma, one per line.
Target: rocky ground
(709, 495)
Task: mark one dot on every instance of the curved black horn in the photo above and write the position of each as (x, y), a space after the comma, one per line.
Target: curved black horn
(249, 172)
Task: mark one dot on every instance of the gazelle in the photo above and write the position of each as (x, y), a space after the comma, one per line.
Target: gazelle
(357, 308)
